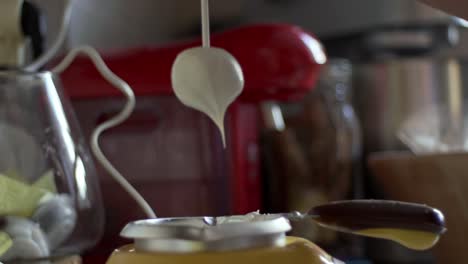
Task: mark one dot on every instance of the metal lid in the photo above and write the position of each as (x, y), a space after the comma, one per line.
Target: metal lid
(207, 233)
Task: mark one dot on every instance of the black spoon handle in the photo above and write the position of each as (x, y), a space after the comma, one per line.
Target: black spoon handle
(358, 215)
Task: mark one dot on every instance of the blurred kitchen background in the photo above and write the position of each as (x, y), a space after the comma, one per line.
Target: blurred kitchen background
(386, 120)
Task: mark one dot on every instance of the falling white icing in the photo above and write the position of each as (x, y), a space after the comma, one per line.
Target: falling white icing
(209, 80)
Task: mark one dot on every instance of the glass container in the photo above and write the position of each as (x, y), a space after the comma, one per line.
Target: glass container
(50, 202)
(328, 132)
(312, 156)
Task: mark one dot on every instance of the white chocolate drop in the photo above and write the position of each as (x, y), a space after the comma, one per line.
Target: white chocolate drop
(209, 80)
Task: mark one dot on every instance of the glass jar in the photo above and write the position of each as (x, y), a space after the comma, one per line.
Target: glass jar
(50, 202)
(335, 86)
(317, 156)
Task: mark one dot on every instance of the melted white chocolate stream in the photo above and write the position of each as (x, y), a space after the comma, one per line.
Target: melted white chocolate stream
(207, 79)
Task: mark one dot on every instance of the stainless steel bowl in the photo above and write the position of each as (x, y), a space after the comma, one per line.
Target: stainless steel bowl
(387, 93)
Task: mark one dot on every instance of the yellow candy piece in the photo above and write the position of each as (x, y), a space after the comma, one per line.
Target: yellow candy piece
(46, 182)
(17, 198)
(5, 243)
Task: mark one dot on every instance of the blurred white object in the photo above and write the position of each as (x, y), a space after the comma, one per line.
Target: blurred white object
(439, 127)
(436, 129)
(28, 240)
(21, 153)
(57, 218)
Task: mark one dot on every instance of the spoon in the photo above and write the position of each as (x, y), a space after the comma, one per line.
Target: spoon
(207, 79)
(414, 226)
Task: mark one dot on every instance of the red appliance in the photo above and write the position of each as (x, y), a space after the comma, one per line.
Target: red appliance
(173, 155)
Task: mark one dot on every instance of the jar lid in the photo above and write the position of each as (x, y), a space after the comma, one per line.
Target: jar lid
(207, 233)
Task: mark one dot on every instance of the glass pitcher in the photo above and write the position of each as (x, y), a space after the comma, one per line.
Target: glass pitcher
(50, 203)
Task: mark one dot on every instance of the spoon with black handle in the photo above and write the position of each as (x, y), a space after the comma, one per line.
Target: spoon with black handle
(415, 226)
